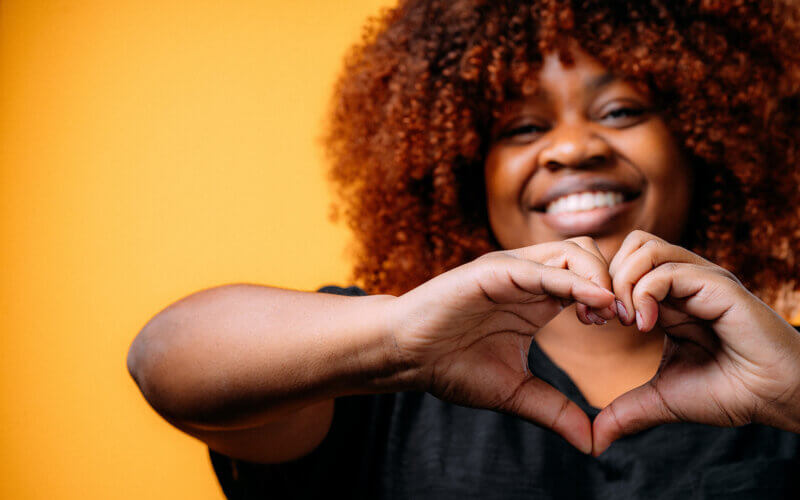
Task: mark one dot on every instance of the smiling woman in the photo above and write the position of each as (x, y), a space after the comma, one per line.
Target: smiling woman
(579, 215)
(595, 138)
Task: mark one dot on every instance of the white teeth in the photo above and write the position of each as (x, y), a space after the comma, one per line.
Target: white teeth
(586, 201)
(578, 202)
(571, 204)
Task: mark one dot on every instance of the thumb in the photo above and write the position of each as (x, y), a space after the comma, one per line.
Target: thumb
(539, 402)
(632, 412)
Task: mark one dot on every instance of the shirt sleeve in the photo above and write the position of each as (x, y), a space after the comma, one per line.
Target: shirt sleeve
(343, 463)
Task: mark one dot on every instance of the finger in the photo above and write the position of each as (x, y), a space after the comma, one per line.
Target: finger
(582, 311)
(596, 316)
(636, 262)
(700, 291)
(590, 245)
(632, 412)
(534, 278)
(632, 241)
(580, 255)
(539, 402)
(577, 255)
(521, 318)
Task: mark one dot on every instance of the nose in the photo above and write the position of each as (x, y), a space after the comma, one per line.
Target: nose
(574, 146)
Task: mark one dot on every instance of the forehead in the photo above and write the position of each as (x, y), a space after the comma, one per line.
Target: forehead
(575, 82)
(582, 71)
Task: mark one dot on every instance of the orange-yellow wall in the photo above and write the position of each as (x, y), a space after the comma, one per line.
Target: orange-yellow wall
(148, 149)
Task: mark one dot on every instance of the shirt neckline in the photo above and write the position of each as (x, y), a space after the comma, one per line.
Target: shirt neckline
(545, 368)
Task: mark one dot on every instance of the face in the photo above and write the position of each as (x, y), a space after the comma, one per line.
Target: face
(586, 155)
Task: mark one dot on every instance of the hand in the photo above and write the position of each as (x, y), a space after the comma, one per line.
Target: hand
(469, 330)
(728, 360)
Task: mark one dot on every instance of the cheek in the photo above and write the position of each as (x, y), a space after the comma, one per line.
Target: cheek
(652, 151)
(506, 171)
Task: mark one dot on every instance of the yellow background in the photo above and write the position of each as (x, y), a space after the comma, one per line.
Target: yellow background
(148, 149)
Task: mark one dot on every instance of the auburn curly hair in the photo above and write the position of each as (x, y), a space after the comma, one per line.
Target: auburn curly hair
(408, 129)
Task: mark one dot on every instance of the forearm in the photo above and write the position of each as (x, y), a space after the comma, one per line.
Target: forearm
(243, 355)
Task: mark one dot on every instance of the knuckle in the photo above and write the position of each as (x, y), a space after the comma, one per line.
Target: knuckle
(653, 246)
(635, 235)
(560, 415)
(728, 274)
(585, 240)
(484, 266)
(490, 257)
(619, 282)
(712, 292)
(619, 428)
(483, 258)
(639, 294)
(668, 269)
(513, 402)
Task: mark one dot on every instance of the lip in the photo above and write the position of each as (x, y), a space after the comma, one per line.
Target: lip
(579, 184)
(599, 220)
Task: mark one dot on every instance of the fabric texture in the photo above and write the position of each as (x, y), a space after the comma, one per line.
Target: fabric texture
(411, 445)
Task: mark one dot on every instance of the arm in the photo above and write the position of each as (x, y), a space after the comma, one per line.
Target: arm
(253, 370)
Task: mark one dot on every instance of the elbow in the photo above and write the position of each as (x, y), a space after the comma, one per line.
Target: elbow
(133, 360)
(136, 357)
(147, 362)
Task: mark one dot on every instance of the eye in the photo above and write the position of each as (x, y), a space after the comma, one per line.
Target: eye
(522, 130)
(624, 116)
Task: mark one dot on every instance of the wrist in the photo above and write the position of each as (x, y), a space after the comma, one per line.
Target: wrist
(382, 367)
(783, 415)
(784, 411)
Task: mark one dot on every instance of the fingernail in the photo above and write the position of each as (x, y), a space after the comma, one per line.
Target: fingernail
(639, 321)
(597, 320)
(621, 310)
(606, 312)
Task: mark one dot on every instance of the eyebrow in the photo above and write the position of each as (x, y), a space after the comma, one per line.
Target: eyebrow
(597, 82)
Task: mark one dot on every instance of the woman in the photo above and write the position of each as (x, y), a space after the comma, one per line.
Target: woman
(572, 213)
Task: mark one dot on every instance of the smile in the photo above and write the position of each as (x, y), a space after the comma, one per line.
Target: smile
(579, 202)
(587, 213)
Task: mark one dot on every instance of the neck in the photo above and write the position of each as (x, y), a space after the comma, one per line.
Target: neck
(603, 361)
(569, 339)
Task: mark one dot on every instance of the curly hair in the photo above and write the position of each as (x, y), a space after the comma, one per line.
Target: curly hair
(408, 128)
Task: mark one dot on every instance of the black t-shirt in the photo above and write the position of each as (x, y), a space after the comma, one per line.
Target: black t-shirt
(413, 445)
